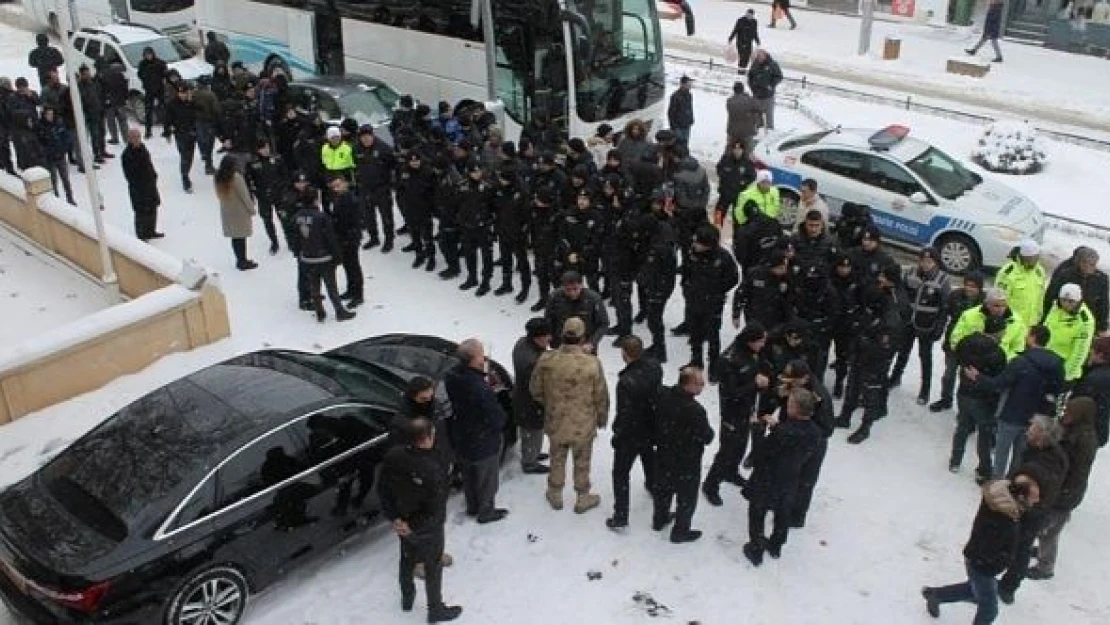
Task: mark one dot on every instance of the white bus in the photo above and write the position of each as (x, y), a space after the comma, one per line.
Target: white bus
(578, 62)
(175, 18)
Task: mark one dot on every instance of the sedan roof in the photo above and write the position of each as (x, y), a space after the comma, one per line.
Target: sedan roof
(858, 138)
(338, 85)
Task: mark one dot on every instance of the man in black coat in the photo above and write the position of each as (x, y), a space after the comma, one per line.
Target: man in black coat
(474, 202)
(869, 259)
(543, 224)
(764, 77)
(799, 375)
(413, 490)
(416, 193)
(375, 164)
(638, 387)
(745, 33)
(44, 57)
(476, 431)
(348, 216)
(1082, 269)
(92, 102)
(267, 175)
(1095, 384)
(776, 472)
(575, 300)
(765, 295)
(511, 219)
(959, 301)
(318, 252)
(579, 238)
(142, 186)
(113, 82)
(215, 51)
(708, 275)
(680, 111)
(527, 411)
(977, 404)
(658, 270)
(681, 432)
(744, 376)
(181, 122)
(152, 73)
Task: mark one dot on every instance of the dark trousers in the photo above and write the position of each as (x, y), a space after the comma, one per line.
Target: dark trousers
(239, 248)
(654, 312)
(422, 231)
(449, 246)
(423, 547)
(511, 251)
(153, 103)
(975, 414)
(266, 209)
(480, 484)
(757, 521)
(732, 446)
(474, 243)
(379, 203)
(948, 380)
(820, 356)
(95, 125)
(322, 272)
(980, 589)
(924, 354)
(704, 326)
(807, 481)
(743, 55)
(682, 491)
(146, 222)
(6, 152)
(620, 289)
(785, 12)
(186, 148)
(868, 387)
(1032, 522)
(115, 118)
(206, 140)
(352, 268)
(624, 456)
(59, 168)
(842, 351)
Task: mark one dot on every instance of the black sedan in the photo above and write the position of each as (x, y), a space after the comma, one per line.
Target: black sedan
(335, 98)
(183, 503)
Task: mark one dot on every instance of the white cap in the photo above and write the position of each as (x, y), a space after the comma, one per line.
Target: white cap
(1029, 248)
(764, 175)
(1071, 292)
(334, 133)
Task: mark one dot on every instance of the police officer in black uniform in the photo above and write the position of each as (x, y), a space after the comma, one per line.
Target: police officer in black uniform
(619, 251)
(319, 250)
(927, 291)
(658, 270)
(266, 175)
(448, 179)
(708, 275)
(578, 238)
(375, 164)
(765, 293)
(511, 205)
(475, 218)
(848, 301)
(816, 303)
(545, 237)
(416, 192)
(348, 219)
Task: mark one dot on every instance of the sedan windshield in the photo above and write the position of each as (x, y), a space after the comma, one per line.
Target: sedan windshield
(372, 105)
(166, 49)
(944, 174)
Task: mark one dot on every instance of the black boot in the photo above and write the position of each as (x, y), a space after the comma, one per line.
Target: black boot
(682, 329)
(523, 295)
(843, 421)
(372, 243)
(862, 434)
(483, 289)
(940, 405)
(505, 288)
(409, 248)
(343, 314)
(430, 264)
(640, 317)
(418, 261)
(444, 613)
(450, 273)
(388, 247)
(540, 305)
(470, 283)
(754, 553)
(712, 492)
(617, 522)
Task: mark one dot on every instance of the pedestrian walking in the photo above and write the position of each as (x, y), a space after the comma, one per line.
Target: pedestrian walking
(634, 427)
(45, 58)
(746, 35)
(780, 9)
(764, 77)
(682, 432)
(992, 30)
(527, 412)
(181, 125)
(142, 185)
(680, 110)
(236, 209)
(413, 488)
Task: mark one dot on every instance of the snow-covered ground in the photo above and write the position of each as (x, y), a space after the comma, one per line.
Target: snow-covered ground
(1058, 85)
(39, 293)
(888, 517)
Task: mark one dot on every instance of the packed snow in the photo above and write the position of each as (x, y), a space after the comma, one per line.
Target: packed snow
(1010, 147)
(887, 517)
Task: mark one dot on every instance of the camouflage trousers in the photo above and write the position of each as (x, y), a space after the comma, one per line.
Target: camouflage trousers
(581, 452)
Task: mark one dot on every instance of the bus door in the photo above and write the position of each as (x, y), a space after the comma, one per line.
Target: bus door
(301, 35)
(329, 44)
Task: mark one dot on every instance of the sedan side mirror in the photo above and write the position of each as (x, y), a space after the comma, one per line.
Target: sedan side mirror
(919, 197)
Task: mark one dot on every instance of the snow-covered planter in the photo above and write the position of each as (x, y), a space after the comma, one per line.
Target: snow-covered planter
(1010, 147)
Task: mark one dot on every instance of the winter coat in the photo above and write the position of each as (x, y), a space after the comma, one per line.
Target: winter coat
(267, 178)
(113, 81)
(1095, 287)
(1095, 384)
(216, 52)
(638, 388)
(868, 265)
(707, 279)
(1080, 444)
(1047, 465)
(958, 303)
(682, 432)
(928, 295)
(691, 189)
(733, 175)
(348, 215)
(416, 192)
(763, 297)
(92, 100)
(181, 119)
(152, 73)
(745, 32)
(769, 203)
(992, 24)
(237, 209)
(1025, 289)
(630, 147)
(994, 533)
(975, 319)
(375, 166)
(680, 111)
(570, 385)
(777, 462)
(763, 78)
(317, 243)
(414, 487)
(982, 352)
(55, 138)
(659, 266)
(479, 418)
(737, 367)
(1025, 382)
(810, 251)
(474, 208)
(744, 116)
(1070, 337)
(589, 307)
(527, 411)
(579, 242)
(142, 178)
(816, 302)
(848, 303)
(45, 58)
(754, 241)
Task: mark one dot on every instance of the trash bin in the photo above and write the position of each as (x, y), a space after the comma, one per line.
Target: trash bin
(964, 9)
(892, 48)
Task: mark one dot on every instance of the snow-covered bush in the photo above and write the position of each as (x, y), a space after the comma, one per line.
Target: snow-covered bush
(1010, 147)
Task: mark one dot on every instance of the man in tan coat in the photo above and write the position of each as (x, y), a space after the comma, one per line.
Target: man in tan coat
(570, 385)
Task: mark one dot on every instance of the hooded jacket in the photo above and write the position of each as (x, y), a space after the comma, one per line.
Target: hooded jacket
(1025, 288)
(1095, 287)
(1024, 383)
(994, 533)
(975, 319)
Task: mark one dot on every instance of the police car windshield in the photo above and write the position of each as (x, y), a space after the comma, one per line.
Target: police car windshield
(945, 176)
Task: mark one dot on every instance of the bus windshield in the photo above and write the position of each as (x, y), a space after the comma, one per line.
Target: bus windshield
(618, 58)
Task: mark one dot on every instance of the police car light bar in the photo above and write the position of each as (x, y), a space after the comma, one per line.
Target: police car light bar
(888, 137)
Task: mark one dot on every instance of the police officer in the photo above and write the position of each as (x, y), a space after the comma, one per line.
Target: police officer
(849, 299)
(416, 191)
(347, 216)
(475, 218)
(544, 228)
(869, 259)
(754, 241)
(448, 180)
(683, 432)
(319, 249)
(765, 294)
(375, 164)
(816, 303)
(691, 197)
(708, 275)
(619, 251)
(413, 490)
(927, 289)
(579, 241)
(658, 270)
(266, 175)
(299, 195)
(510, 205)
(638, 386)
(812, 244)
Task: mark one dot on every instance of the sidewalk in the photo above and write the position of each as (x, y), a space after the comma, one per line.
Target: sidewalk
(1033, 83)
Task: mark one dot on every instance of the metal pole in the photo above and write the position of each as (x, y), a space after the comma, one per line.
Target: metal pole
(864, 26)
(108, 273)
(491, 49)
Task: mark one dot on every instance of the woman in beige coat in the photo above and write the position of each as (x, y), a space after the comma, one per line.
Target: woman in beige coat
(236, 209)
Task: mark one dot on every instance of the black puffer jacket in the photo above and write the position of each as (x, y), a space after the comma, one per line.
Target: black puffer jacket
(682, 432)
(638, 388)
(707, 279)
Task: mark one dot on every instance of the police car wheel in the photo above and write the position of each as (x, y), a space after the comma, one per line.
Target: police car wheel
(958, 254)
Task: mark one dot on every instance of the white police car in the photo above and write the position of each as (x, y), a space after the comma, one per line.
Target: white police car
(918, 195)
